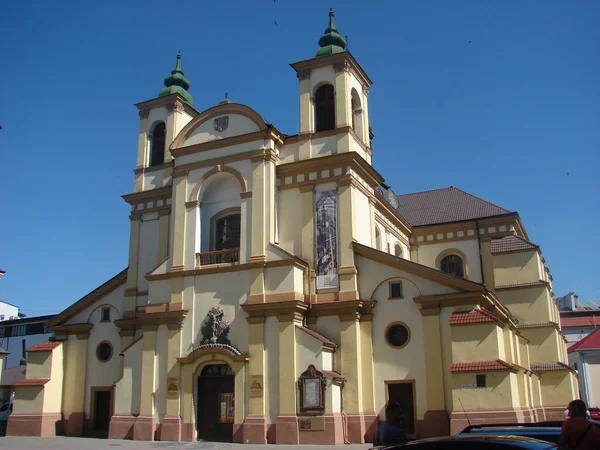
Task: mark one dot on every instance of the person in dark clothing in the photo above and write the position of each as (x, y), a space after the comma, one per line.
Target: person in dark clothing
(391, 432)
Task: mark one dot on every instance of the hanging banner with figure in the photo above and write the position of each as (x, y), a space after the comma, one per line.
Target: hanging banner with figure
(326, 223)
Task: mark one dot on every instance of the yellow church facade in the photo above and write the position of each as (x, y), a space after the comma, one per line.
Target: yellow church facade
(277, 291)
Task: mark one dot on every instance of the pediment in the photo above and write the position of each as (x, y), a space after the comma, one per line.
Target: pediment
(221, 122)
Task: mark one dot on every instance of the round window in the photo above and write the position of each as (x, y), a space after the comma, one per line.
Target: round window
(104, 351)
(397, 335)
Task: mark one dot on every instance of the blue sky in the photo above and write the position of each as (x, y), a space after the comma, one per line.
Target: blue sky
(499, 98)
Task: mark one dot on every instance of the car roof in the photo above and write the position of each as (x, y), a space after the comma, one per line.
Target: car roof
(479, 437)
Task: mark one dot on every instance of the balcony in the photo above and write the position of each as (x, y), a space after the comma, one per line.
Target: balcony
(228, 256)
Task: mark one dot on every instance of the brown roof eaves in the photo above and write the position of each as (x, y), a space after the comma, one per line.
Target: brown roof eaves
(89, 299)
(550, 367)
(483, 366)
(47, 346)
(506, 287)
(419, 270)
(326, 342)
(32, 382)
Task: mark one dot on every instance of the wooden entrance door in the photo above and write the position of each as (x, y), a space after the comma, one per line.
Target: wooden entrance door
(215, 403)
(403, 393)
(101, 411)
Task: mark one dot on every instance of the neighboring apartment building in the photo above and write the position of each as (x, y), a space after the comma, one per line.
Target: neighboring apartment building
(9, 312)
(278, 291)
(19, 334)
(580, 322)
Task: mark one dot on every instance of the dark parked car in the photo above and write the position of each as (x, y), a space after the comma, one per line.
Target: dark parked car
(544, 431)
(473, 442)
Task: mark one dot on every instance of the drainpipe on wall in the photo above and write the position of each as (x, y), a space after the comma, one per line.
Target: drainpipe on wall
(480, 255)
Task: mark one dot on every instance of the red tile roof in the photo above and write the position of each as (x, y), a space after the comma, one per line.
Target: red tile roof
(590, 342)
(326, 342)
(469, 317)
(522, 285)
(592, 320)
(44, 347)
(482, 366)
(445, 205)
(32, 382)
(511, 244)
(548, 367)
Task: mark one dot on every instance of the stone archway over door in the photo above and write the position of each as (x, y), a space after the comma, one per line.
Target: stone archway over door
(215, 403)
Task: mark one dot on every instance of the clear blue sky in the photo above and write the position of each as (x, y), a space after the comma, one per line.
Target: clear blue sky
(499, 98)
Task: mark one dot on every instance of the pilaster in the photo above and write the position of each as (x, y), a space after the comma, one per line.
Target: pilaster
(348, 279)
(73, 406)
(179, 210)
(142, 144)
(171, 426)
(351, 367)
(436, 420)
(306, 107)
(145, 423)
(258, 243)
(308, 223)
(163, 236)
(287, 422)
(255, 423)
(132, 271)
(175, 110)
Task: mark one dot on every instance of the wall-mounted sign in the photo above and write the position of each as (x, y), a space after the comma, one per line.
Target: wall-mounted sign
(468, 386)
(173, 387)
(256, 386)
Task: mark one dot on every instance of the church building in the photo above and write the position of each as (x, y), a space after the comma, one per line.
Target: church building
(278, 291)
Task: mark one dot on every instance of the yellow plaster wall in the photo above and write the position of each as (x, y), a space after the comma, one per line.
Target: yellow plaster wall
(527, 305)
(557, 388)
(39, 365)
(227, 291)
(223, 151)
(160, 398)
(271, 375)
(28, 400)
(205, 132)
(361, 211)
(75, 361)
(290, 223)
(114, 299)
(148, 248)
(101, 373)
(408, 362)
(53, 390)
(328, 326)
(372, 274)
(127, 389)
(497, 394)
(516, 268)
(428, 253)
(543, 345)
(284, 279)
(481, 342)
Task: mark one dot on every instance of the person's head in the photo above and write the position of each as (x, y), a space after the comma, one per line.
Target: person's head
(393, 414)
(577, 408)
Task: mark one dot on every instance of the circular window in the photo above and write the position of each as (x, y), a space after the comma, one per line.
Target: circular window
(397, 334)
(104, 351)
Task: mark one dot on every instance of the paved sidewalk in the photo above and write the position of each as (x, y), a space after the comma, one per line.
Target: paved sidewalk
(63, 443)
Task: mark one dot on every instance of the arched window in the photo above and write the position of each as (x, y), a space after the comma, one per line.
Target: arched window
(324, 108)
(157, 146)
(377, 239)
(227, 231)
(357, 117)
(453, 265)
(398, 250)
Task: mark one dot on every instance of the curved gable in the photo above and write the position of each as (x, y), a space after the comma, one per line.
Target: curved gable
(219, 122)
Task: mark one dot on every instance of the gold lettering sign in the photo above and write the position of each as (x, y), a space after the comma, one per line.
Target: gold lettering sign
(256, 386)
(173, 387)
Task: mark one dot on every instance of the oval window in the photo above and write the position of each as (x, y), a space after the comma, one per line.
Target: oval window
(104, 351)
(397, 335)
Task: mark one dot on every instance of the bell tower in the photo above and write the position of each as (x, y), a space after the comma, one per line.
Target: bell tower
(333, 99)
(161, 119)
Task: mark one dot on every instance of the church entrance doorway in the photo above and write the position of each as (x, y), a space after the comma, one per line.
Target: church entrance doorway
(215, 403)
(403, 393)
(101, 411)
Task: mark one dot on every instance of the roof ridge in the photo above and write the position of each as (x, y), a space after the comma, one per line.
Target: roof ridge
(582, 341)
(424, 192)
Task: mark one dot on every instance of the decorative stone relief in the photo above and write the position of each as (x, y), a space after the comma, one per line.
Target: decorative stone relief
(215, 329)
